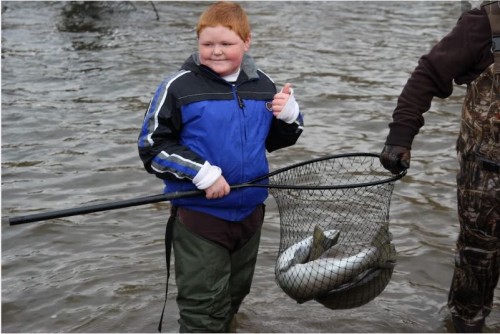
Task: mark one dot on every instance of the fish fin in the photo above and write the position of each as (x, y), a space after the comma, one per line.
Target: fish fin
(321, 243)
(382, 237)
(387, 265)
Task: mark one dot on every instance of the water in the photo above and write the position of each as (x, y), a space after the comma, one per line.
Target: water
(75, 84)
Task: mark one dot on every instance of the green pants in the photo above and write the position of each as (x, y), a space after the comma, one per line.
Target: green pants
(212, 281)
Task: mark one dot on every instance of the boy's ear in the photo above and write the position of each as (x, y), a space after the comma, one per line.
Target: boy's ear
(248, 42)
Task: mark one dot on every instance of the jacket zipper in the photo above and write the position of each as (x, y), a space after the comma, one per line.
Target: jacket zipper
(241, 104)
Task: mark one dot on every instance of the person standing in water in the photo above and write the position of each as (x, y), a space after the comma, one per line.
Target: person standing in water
(469, 54)
(208, 126)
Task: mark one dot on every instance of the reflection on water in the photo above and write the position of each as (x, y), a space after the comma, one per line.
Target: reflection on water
(76, 80)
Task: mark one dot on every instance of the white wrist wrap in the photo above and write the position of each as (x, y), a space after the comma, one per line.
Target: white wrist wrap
(290, 111)
(207, 176)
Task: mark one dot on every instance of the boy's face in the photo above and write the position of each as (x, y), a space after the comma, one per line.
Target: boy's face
(221, 49)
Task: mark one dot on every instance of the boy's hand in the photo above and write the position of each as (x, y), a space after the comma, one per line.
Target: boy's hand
(281, 98)
(219, 189)
(285, 107)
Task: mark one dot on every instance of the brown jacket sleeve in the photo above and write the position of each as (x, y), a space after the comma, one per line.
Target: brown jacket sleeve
(460, 56)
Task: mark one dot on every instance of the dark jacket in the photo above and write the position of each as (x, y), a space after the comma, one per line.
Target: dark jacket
(460, 56)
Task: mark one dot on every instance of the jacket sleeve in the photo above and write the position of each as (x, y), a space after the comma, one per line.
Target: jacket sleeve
(283, 134)
(159, 140)
(460, 56)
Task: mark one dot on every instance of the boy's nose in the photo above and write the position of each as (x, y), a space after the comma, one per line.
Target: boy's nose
(217, 50)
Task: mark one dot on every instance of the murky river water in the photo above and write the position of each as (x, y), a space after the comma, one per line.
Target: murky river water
(76, 80)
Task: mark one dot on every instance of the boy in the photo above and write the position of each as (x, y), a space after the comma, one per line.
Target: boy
(208, 126)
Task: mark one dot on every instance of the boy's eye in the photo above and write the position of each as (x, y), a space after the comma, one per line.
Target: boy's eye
(209, 44)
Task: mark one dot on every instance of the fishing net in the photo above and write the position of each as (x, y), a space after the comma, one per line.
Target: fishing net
(335, 244)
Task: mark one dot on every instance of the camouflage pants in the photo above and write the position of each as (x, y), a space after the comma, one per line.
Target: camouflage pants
(477, 261)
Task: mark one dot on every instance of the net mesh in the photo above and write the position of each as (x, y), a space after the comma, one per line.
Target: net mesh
(335, 244)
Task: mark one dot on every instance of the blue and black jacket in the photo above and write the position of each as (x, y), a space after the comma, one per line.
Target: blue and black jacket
(196, 116)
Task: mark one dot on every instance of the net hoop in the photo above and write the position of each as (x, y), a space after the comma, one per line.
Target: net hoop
(386, 179)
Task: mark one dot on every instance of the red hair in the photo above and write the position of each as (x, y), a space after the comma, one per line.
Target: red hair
(227, 14)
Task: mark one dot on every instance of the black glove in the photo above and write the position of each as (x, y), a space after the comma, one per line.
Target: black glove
(395, 158)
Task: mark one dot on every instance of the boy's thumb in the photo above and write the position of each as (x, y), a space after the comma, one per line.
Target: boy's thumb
(287, 89)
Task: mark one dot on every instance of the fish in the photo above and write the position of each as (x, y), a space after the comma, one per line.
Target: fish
(300, 252)
(364, 287)
(304, 271)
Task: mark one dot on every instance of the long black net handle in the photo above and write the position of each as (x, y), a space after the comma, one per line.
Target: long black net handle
(261, 182)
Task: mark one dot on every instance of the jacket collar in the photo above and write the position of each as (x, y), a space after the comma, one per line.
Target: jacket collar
(248, 68)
